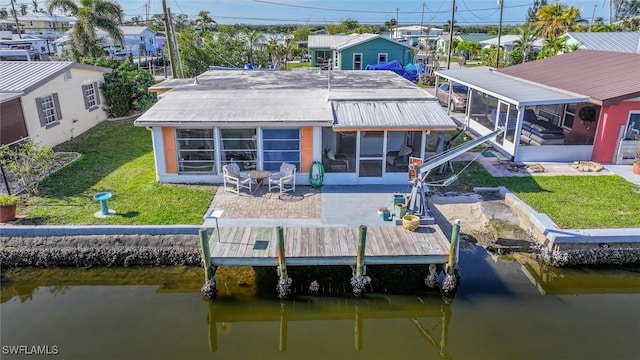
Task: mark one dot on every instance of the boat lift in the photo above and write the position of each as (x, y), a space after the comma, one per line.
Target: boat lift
(418, 201)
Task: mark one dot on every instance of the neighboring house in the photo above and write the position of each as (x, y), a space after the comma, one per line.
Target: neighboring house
(507, 42)
(138, 41)
(628, 42)
(356, 51)
(414, 35)
(29, 42)
(5, 29)
(55, 101)
(46, 26)
(354, 122)
(583, 105)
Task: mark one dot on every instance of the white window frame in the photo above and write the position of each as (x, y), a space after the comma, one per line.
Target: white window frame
(386, 58)
(49, 110)
(91, 94)
(353, 67)
(566, 112)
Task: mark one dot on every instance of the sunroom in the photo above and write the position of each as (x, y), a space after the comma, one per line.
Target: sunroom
(541, 123)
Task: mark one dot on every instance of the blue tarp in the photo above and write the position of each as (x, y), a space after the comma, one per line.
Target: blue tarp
(396, 67)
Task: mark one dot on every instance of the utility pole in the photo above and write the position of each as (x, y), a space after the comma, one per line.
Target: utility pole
(592, 16)
(397, 24)
(499, 34)
(15, 17)
(421, 21)
(453, 15)
(168, 39)
(175, 45)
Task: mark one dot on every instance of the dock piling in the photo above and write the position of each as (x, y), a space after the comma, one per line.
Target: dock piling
(360, 280)
(450, 283)
(284, 282)
(209, 288)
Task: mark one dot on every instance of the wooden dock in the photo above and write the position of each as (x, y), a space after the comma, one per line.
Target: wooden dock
(388, 245)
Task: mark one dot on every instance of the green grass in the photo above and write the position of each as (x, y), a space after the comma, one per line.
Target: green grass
(293, 65)
(572, 202)
(116, 157)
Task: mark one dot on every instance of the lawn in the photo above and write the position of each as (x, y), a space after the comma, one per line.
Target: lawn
(294, 65)
(115, 157)
(572, 202)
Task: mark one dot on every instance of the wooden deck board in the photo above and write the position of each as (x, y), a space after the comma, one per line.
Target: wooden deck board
(329, 245)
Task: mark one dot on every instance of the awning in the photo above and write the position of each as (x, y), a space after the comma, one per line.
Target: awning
(510, 89)
(388, 115)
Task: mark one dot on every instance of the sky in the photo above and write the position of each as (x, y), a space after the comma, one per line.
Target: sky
(436, 12)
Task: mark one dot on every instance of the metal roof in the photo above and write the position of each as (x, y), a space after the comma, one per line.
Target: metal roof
(327, 41)
(426, 115)
(7, 96)
(282, 98)
(25, 76)
(628, 42)
(606, 77)
(507, 88)
(363, 38)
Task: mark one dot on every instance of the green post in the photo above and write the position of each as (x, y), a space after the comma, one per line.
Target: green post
(206, 254)
(362, 242)
(282, 265)
(213, 329)
(453, 249)
(358, 329)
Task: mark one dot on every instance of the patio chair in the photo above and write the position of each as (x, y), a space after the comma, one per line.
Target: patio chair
(399, 158)
(285, 180)
(233, 180)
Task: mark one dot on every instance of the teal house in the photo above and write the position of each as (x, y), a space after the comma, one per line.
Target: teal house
(356, 51)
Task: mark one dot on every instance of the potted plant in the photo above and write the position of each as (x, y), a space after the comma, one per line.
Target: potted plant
(8, 207)
(636, 163)
(384, 212)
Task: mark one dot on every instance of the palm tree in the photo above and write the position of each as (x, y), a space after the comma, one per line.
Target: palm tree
(4, 13)
(553, 46)
(91, 14)
(204, 22)
(36, 7)
(556, 19)
(253, 39)
(524, 44)
(24, 9)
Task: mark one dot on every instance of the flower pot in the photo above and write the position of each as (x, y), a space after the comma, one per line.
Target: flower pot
(636, 168)
(400, 210)
(411, 222)
(7, 213)
(386, 215)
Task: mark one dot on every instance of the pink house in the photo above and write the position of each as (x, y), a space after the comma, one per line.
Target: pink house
(583, 105)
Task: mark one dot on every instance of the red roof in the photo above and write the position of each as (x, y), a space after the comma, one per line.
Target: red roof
(606, 77)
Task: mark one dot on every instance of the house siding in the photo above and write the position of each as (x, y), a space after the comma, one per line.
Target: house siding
(370, 51)
(613, 117)
(75, 118)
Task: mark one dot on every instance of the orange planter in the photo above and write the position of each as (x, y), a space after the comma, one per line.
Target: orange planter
(7, 213)
(636, 168)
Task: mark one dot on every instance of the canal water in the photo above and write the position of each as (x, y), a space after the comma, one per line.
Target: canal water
(505, 308)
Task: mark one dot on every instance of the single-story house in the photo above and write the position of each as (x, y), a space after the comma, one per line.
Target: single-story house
(362, 125)
(413, 34)
(49, 101)
(628, 42)
(356, 51)
(583, 105)
(507, 42)
(138, 41)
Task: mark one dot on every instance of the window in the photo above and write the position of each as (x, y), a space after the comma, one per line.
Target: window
(357, 61)
(91, 96)
(49, 110)
(382, 58)
(569, 116)
(280, 145)
(239, 146)
(196, 150)
(550, 113)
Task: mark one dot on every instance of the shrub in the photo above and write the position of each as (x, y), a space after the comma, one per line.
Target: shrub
(29, 162)
(7, 200)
